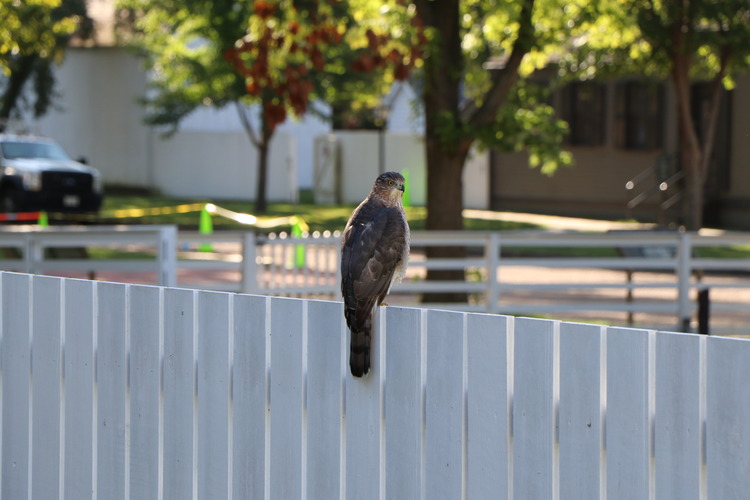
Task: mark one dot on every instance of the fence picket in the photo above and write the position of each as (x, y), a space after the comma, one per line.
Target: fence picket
(46, 371)
(80, 345)
(249, 397)
(16, 393)
(287, 396)
(533, 408)
(444, 405)
(324, 401)
(677, 429)
(363, 422)
(628, 420)
(111, 391)
(403, 403)
(213, 394)
(178, 382)
(581, 444)
(487, 408)
(145, 339)
(727, 419)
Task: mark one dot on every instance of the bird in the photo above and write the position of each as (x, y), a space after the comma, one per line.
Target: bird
(374, 256)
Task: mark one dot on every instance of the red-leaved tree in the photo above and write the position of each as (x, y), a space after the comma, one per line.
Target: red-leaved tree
(296, 51)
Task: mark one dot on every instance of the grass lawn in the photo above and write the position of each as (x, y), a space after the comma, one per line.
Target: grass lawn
(334, 217)
(318, 217)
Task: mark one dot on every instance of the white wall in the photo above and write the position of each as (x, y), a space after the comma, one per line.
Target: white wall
(222, 165)
(303, 131)
(98, 115)
(405, 115)
(359, 157)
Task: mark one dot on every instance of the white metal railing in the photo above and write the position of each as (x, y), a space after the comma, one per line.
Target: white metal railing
(115, 391)
(31, 245)
(516, 272)
(667, 263)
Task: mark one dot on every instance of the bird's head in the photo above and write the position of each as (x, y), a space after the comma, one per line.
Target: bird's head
(389, 186)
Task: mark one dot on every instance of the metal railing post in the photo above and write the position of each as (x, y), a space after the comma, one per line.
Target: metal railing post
(30, 253)
(492, 254)
(167, 257)
(249, 264)
(684, 256)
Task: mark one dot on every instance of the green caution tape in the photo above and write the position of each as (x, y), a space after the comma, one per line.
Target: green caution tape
(406, 197)
(299, 250)
(205, 226)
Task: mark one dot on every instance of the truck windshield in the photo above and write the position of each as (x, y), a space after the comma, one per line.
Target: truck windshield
(15, 150)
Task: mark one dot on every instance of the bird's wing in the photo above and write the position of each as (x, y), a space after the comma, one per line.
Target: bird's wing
(372, 247)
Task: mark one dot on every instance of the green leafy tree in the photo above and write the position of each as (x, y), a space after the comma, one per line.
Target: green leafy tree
(279, 55)
(465, 104)
(33, 37)
(184, 43)
(682, 40)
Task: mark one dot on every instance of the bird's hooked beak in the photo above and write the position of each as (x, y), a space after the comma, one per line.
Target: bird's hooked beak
(401, 188)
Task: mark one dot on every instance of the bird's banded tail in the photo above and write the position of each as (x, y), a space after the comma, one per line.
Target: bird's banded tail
(359, 349)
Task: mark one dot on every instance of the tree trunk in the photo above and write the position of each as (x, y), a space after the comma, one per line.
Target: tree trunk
(444, 190)
(692, 208)
(695, 155)
(444, 150)
(20, 71)
(448, 122)
(261, 203)
(691, 164)
(262, 145)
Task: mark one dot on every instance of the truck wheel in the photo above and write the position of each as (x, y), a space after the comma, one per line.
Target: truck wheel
(8, 201)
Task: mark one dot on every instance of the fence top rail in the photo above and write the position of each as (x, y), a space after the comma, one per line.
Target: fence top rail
(217, 236)
(120, 228)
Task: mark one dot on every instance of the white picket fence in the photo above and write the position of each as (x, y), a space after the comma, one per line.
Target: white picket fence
(114, 391)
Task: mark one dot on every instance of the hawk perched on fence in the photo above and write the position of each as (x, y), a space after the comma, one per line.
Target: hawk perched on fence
(374, 253)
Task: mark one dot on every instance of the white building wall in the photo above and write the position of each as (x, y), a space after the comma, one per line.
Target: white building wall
(222, 165)
(359, 164)
(303, 131)
(405, 115)
(210, 156)
(98, 115)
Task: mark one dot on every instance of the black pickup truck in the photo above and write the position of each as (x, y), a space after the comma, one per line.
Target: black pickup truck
(37, 174)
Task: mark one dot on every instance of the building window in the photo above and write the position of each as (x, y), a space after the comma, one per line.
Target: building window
(584, 109)
(639, 116)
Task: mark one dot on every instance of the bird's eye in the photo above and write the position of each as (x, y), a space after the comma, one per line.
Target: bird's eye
(390, 183)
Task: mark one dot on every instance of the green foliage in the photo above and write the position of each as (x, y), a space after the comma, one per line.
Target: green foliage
(33, 37)
(492, 36)
(278, 54)
(683, 40)
(181, 43)
(612, 39)
(529, 123)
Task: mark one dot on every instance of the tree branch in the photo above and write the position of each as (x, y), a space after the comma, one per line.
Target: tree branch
(504, 79)
(246, 124)
(714, 107)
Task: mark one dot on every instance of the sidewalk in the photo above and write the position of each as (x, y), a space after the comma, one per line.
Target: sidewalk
(555, 222)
